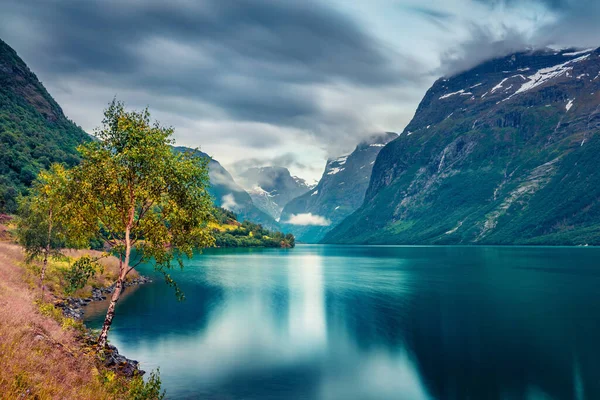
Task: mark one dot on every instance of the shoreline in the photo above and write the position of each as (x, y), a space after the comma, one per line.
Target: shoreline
(74, 308)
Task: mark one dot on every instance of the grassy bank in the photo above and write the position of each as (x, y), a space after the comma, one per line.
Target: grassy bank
(45, 355)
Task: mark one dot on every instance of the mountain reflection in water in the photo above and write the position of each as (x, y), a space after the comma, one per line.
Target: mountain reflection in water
(328, 322)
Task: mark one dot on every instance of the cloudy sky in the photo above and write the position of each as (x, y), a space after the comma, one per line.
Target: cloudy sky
(286, 82)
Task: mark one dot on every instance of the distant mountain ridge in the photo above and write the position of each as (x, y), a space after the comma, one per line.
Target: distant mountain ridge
(505, 153)
(271, 188)
(34, 132)
(340, 191)
(231, 196)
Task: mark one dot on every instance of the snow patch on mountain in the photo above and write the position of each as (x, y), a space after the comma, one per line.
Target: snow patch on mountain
(260, 191)
(576, 53)
(341, 160)
(461, 92)
(546, 74)
(498, 86)
(569, 104)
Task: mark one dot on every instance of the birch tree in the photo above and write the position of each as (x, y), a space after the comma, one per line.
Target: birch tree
(41, 227)
(145, 202)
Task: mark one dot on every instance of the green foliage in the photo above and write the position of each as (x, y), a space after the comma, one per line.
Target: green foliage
(34, 133)
(495, 183)
(79, 273)
(146, 390)
(224, 216)
(41, 228)
(135, 388)
(50, 310)
(247, 234)
(132, 192)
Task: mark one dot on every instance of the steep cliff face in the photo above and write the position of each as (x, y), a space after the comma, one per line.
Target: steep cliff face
(340, 191)
(506, 153)
(34, 132)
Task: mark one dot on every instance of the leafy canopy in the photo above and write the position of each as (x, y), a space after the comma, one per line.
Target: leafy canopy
(133, 192)
(42, 229)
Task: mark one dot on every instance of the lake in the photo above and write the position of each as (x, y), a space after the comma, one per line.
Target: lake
(337, 322)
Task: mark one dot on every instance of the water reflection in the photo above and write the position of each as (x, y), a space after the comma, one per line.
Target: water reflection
(373, 323)
(306, 320)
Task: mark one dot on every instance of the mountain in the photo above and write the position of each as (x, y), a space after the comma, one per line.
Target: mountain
(340, 191)
(34, 131)
(505, 153)
(271, 188)
(231, 196)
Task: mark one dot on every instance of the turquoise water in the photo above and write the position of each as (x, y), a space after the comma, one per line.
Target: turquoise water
(332, 322)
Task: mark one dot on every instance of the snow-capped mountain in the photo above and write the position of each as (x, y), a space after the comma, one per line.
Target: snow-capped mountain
(228, 194)
(272, 187)
(504, 153)
(340, 191)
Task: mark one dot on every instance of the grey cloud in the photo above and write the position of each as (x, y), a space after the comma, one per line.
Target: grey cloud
(482, 45)
(575, 25)
(554, 4)
(441, 19)
(287, 160)
(246, 57)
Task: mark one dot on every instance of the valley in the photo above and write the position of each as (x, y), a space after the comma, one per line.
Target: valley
(320, 200)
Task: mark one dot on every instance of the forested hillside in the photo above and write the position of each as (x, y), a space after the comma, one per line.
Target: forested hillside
(34, 132)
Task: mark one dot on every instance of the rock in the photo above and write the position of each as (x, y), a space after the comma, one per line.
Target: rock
(122, 365)
(74, 308)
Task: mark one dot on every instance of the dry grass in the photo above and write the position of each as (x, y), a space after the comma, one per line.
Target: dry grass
(110, 266)
(5, 227)
(40, 357)
(55, 280)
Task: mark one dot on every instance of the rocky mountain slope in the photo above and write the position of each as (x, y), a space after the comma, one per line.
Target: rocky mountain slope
(231, 196)
(505, 153)
(34, 132)
(340, 191)
(271, 188)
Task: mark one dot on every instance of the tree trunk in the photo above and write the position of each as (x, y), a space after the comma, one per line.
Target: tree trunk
(46, 252)
(43, 274)
(110, 313)
(123, 267)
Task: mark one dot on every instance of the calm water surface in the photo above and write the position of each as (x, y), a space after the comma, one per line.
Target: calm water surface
(328, 322)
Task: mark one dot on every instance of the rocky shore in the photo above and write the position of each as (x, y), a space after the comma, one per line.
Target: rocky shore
(74, 308)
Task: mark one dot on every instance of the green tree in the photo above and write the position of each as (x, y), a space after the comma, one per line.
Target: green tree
(145, 202)
(41, 229)
(80, 272)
